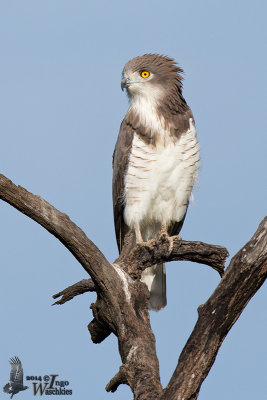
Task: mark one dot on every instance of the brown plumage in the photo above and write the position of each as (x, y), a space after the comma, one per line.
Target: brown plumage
(173, 107)
(158, 121)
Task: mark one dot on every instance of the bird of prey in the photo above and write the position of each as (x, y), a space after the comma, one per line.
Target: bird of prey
(155, 161)
(15, 384)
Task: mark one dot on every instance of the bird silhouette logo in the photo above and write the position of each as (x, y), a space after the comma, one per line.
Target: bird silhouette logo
(15, 384)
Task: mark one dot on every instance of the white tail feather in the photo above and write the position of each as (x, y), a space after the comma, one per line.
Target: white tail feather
(155, 279)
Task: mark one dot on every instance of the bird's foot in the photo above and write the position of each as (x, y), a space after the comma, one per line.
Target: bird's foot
(163, 231)
(164, 236)
(149, 243)
(139, 238)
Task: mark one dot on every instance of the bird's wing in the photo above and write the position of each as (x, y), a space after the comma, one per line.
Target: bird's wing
(175, 227)
(120, 165)
(16, 371)
(181, 125)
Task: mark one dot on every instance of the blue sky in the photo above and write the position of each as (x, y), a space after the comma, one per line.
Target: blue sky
(61, 107)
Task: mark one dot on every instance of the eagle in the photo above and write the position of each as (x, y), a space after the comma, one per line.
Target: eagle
(155, 161)
(15, 384)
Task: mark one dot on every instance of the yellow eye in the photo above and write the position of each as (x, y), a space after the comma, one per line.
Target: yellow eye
(145, 74)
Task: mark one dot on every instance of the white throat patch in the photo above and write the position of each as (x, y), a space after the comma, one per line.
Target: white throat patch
(145, 106)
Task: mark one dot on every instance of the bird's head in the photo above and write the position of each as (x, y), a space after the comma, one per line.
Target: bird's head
(151, 75)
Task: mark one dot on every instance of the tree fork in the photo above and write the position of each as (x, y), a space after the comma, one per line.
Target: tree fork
(121, 305)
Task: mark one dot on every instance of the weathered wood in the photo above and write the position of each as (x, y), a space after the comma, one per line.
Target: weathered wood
(83, 286)
(155, 252)
(121, 305)
(167, 249)
(244, 276)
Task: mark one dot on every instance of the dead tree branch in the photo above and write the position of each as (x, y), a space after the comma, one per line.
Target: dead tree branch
(121, 305)
(173, 248)
(85, 285)
(243, 277)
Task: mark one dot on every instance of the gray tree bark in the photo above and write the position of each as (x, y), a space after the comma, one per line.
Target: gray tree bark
(121, 305)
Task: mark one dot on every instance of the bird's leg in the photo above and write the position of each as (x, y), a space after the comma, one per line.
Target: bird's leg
(139, 237)
(164, 235)
(164, 229)
(138, 234)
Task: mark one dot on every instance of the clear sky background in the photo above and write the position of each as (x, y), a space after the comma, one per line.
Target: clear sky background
(60, 112)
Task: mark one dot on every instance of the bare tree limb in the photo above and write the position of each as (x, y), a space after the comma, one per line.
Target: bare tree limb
(85, 285)
(58, 224)
(119, 378)
(121, 305)
(153, 252)
(244, 276)
(167, 249)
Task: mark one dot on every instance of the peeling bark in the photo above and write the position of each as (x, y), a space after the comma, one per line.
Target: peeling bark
(121, 305)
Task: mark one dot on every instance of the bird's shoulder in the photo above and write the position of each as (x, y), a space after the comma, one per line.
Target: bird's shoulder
(180, 122)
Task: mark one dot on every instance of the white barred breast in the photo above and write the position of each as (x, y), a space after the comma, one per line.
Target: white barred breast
(159, 181)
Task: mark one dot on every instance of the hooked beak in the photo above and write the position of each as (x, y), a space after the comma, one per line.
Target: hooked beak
(125, 83)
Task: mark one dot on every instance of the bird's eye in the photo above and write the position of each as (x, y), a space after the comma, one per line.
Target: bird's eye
(145, 74)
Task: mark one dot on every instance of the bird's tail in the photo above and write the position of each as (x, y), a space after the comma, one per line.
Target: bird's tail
(7, 388)
(155, 279)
